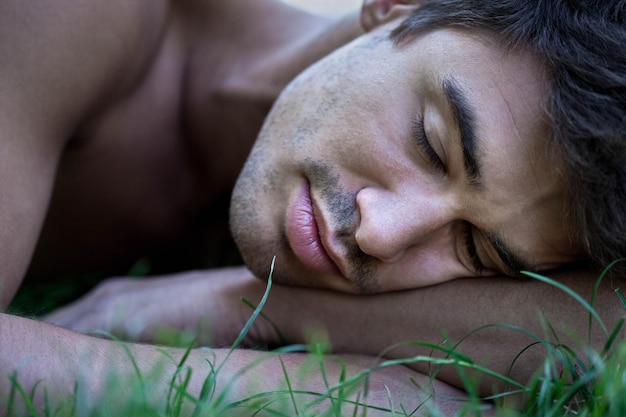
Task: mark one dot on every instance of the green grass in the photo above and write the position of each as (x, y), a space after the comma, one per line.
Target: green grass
(593, 385)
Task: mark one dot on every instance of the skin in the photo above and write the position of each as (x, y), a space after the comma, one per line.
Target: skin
(130, 152)
(134, 309)
(382, 215)
(148, 163)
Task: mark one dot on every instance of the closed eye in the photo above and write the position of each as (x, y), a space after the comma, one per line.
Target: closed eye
(419, 134)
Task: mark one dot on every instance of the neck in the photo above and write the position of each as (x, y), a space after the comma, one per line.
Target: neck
(308, 39)
(236, 74)
(311, 46)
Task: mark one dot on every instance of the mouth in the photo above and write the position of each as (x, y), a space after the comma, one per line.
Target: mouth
(304, 236)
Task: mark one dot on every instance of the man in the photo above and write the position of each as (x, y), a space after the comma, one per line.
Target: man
(396, 167)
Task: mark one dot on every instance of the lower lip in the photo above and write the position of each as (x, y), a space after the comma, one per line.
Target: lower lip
(304, 237)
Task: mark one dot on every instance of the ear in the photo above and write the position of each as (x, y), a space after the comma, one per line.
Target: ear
(378, 12)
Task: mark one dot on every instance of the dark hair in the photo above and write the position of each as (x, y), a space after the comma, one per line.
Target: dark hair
(583, 45)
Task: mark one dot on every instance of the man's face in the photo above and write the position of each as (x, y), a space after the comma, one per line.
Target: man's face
(384, 168)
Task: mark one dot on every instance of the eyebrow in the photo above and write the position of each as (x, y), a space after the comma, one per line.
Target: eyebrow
(465, 118)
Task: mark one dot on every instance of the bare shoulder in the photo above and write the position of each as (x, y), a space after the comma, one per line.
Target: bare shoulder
(61, 61)
(64, 54)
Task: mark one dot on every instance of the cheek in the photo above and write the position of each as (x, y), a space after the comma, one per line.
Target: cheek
(352, 118)
(296, 118)
(422, 267)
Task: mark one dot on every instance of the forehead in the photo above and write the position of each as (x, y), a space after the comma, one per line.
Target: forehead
(483, 65)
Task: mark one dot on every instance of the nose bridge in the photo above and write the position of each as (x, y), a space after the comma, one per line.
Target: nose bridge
(391, 222)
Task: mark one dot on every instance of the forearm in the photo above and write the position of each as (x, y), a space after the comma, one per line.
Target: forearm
(367, 325)
(45, 358)
(446, 314)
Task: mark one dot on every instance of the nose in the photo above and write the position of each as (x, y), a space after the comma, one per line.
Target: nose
(391, 222)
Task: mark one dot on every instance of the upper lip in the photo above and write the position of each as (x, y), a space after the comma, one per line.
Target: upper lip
(326, 236)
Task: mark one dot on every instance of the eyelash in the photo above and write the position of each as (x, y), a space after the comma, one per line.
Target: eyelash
(470, 248)
(419, 133)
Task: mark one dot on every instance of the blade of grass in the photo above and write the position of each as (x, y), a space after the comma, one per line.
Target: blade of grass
(289, 388)
(391, 406)
(356, 405)
(429, 394)
(572, 294)
(130, 356)
(179, 391)
(281, 338)
(621, 297)
(46, 403)
(11, 400)
(612, 337)
(564, 399)
(32, 411)
(253, 317)
(319, 354)
(177, 399)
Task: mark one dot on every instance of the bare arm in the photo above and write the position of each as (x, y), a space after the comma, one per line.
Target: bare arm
(53, 359)
(60, 61)
(357, 324)
(447, 314)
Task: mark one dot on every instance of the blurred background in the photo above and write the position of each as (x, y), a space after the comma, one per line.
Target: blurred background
(327, 7)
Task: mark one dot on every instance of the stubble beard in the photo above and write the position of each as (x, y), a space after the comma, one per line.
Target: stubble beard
(245, 220)
(255, 244)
